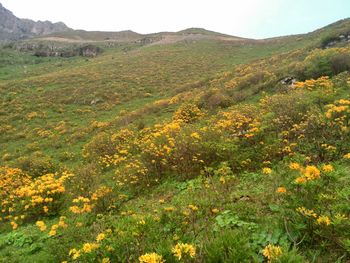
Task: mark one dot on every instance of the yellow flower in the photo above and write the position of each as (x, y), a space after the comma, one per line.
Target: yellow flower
(312, 172)
(215, 210)
(306, 212)
(183, 249)
(41, 225)
(346, 156)
(14, 225)
(151, 258)
(266, 170)
(52, 232)
(281, 190)
(323, 220)
(169, 209)
(300, 180)
(222, 180)
(193, 207)
(74, 253)
(294, 166)
(100, 237)
(88, 247)
(327, 168)
(142, 222)
(272, 252)
(109, 248)
(195, 135)
(106, 260)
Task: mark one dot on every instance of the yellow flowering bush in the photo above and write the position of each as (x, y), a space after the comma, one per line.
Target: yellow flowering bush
(32, 197)
(323, 82)
(188, 113)
(242, 123)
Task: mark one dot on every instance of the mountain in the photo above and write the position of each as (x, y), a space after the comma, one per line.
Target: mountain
(13, 28)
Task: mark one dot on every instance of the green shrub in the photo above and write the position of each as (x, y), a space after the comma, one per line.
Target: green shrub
(230, 246)
(36, 166)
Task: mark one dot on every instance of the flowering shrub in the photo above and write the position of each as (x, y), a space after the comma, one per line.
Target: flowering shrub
(242, 123)
(26, 199)
(188, 113)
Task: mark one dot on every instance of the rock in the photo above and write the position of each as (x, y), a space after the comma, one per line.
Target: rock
(89, 51)
(288, 81)
(14, 28)
(95, 101)
(331, 44)
(149, 40)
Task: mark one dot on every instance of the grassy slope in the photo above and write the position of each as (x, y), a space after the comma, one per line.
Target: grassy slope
(62, 90)
(58, 88)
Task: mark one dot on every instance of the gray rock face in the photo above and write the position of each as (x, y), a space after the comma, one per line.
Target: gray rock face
(13, 28)
(337, 40)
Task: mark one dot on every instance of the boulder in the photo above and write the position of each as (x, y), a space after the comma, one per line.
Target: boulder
(288, 80)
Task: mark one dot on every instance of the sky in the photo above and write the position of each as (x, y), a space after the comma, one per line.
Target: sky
(244, 18)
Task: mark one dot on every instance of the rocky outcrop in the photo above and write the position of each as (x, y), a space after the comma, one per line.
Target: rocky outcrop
(336, 40)
(288, 81)
(89, 51)
(41, 50)
(149, 40)
(14, 28)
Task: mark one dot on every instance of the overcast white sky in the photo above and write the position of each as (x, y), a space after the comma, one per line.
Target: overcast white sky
(245, 18)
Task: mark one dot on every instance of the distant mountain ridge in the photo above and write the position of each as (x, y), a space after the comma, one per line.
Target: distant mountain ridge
(14, 28)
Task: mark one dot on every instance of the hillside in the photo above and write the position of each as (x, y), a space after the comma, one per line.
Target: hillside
(189, 146)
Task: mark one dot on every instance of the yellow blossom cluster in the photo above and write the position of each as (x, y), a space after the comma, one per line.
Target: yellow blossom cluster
(319, 219)
(41, 224)
(90, 247)
(272, 252)
(24, 195)
(99, 124)
(188, 113)
(85, 205)
(182, 250)
(294, 166)
(151, 258)
(86, 249)
(339, 114)
(131, 171)
(281, 190)
(82, 205)
(266, 170)
(310, 84)
(239, 123)
(310, 173)
(53, 231)
(100, 193)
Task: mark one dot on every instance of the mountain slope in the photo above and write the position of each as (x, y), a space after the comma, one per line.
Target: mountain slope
(13, 28)
(198, 150)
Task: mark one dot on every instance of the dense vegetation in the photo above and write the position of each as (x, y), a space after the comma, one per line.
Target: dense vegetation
(187, 152)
